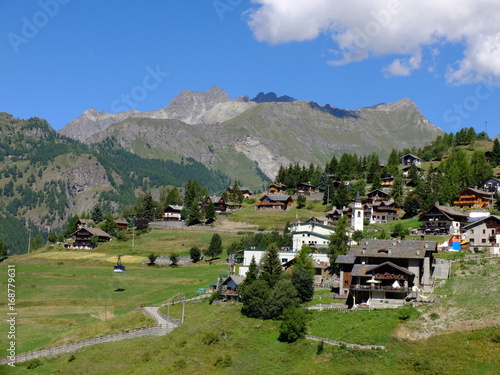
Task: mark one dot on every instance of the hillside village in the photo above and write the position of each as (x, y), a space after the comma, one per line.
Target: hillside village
(370, 271)
(354, 246)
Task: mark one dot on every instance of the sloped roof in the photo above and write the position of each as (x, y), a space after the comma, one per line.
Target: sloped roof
(277, 197)
(236, 278)
(477, 192)
(410, 249)
(97, 231)
(401, 269)
(174, 207)
(448, 211)
(481, 221)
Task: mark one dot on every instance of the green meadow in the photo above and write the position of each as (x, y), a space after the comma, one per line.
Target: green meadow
(64, 296)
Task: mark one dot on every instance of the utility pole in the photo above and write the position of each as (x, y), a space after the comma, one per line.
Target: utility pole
(133, 237)
(29, 239)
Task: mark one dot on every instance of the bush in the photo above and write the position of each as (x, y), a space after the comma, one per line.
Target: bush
(321, 347)
(293, 325)
(225, 361)
(195, 254)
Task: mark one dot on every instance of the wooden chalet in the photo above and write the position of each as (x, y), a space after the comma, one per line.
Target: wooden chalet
(219, 203)
(474, 198)
(274, 203)
(335, 214)
(406, 170)
(277, 188)
(247, 193)
(484, 235)
(491, 185)
(82, 238)
(376, 195)
(442, 220)
(304, 187)
(387, 181)
(84, 223)
(383, 211)
(229, 288)
(410, 159)
(382, 273)
(121, 224)
(172, 213)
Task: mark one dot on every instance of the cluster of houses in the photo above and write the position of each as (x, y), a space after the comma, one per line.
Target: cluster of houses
(378, 273)
(86, 231)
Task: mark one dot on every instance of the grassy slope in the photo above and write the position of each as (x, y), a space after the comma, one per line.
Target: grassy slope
(65, 296)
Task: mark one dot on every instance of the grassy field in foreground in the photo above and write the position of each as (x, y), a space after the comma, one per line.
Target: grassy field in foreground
(60, 299)
(219, 340)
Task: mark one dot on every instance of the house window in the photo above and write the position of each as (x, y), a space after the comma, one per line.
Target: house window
(483, 240)
(484, 231)
(472, 240)
(284, 260)
(472, 231)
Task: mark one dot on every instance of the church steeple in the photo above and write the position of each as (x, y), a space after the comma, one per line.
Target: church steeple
(357, 214)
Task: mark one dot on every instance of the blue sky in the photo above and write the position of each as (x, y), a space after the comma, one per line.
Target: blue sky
(61, 57)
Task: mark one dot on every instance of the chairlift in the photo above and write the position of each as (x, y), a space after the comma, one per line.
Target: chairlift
(119, 267)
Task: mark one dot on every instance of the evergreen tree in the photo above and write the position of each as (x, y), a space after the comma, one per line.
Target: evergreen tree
(399, 231)
(215, 247)
(96, 214)
(481, 169)
(294, 324)
(495, 153)
(147, 207)
(283, 295)
(71, 226)
(194, 214)
(323, 182)
(210, 213)
(256, 301)
(414, 176)
(271, 265)
(235, 194)
(301, 201)
(252, 273)
(411, 205)
(377, 180)
(195, 254)
(109, 225)
(303, 274)
(173, 197)
(52, 238)
(342, 197)
(338, 241)
(397, 188)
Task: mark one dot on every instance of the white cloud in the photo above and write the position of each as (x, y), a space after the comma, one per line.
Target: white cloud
(361, 29)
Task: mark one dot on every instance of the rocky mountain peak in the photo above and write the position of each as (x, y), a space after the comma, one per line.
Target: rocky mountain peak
(405, 103)
(272, 97)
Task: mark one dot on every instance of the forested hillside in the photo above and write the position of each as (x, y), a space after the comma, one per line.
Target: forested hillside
(45, 178)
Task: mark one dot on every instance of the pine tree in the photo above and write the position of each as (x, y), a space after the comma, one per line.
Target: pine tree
(96, 214)
(271, 265)
(303, 274)
(323, 182)
(481, 169)
(495, 153)
(210, 212)
(215, 247)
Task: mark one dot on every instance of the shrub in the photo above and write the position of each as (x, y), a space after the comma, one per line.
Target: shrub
(321, 347)
(195, 254)
(210, 338)
(225, 361)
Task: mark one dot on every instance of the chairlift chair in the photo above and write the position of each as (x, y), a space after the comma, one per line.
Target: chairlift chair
(119, 267)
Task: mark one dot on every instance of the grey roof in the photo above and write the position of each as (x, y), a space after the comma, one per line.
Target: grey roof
(278, 197)
(478, 192)
(174, 207)
(236, 278)
(480, 221)
(375, 266)
(346, 259)
(97, 231)
(449, 211)
(394, 249)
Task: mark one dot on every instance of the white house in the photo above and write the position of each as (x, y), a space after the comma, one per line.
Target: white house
(312, 234)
